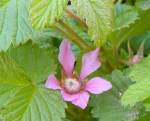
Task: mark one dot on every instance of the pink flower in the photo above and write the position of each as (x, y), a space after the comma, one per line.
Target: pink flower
(76, 89)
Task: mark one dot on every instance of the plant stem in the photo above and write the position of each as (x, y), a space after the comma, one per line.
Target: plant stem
(81, 22)
(72, 114)
(67, 35)
(73, 36)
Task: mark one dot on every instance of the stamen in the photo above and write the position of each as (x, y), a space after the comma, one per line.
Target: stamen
(72, 85)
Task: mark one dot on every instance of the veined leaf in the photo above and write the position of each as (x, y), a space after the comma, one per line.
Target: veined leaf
(14, 25)
(107, 106)
(125, 15)
(99, 17)
(136, 93)
(139, 91)
(34, 104)
(20, 100)
(37, 62)
(10, 73)
(10, 81)
(138, 27)
(143, 4)
(45, 12)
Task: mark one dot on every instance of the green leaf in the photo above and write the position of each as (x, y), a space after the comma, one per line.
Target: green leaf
(140, 72)
(139, 91)
(143, 4)
(34, 104)
(120, 80)
(18, 30)
(107, 106)
(138, 27)
(45, 12)
(125, 15)
(99, 17)
(20, 100)
(12, 79)
(136, 93)
(3, 3)
(36, 62)
(136, 42)
(11, 73)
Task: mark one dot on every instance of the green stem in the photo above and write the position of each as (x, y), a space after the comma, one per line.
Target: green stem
(72, 114)
(73, 36)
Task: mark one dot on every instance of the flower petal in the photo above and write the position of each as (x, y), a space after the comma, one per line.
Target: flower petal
(97, 85)
(66, 57)
(52, 82)
(68, 97)
(82, 100)
(90, 63)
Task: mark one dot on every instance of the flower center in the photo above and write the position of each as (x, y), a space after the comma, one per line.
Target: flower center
(72, 85)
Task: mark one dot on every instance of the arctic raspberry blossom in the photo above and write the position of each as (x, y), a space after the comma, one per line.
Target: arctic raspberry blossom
(76, 89)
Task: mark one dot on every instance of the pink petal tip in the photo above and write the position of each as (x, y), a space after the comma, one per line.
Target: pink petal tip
(52, 83)
(82, 100)
(66, 57)
(90, 63)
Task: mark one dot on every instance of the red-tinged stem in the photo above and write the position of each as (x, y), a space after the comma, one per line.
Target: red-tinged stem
(68, 32)
(81, 22)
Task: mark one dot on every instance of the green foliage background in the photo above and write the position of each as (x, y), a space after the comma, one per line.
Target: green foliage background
(30, 34)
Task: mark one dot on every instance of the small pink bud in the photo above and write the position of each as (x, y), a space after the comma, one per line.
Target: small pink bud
(136, 59)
